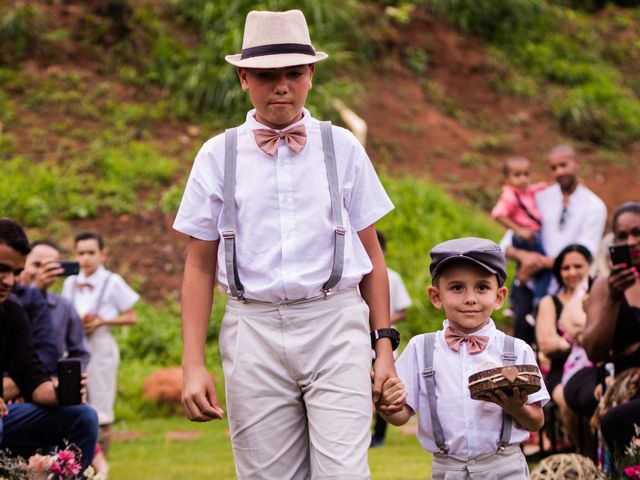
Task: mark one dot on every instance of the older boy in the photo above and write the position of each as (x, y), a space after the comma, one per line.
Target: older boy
(475, 439)
(299, 249)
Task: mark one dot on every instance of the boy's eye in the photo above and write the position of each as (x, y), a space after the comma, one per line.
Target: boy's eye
(456, 288)
(265, 75)
(294, 73)
(483, 288)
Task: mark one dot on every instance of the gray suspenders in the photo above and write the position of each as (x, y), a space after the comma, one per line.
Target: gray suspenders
(508, 357)
(229, 226)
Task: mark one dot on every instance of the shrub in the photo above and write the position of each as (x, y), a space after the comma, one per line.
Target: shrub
(601, 113)
(19, 28)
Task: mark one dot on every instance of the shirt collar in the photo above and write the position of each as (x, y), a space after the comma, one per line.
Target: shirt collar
(252, 123)
(94, 278)
(488, 330)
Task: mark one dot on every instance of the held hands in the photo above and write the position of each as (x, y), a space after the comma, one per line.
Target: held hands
(393, 397)
(199, 395)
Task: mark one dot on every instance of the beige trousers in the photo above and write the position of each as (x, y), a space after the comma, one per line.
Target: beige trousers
(298, 388)
(509, 464)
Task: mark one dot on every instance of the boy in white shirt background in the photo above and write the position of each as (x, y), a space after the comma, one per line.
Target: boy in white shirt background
(103, 300)
(399, 302)
(473, 438)
(282, 209)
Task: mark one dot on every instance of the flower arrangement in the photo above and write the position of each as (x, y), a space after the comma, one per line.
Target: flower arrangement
(60, 465)
(631, 460)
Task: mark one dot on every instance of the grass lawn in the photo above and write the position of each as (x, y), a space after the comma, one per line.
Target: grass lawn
(153, 454)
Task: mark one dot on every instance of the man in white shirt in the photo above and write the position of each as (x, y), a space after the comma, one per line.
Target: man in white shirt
(571, 213)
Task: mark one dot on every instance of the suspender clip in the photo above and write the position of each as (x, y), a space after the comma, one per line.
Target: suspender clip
(340, 230)
(427, 372)
(327, 293)
(509, 357)
(228, 234)
(444, 449)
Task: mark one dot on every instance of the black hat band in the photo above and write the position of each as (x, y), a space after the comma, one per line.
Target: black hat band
(277, 48)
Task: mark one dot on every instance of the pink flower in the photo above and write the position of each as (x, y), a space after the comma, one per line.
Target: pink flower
(66, 456)
(633, 472)
(56, 468)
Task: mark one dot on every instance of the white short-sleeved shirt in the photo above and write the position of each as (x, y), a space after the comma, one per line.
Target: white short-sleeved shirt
(470, 427)
(118, 296)
(285, 235)
(399, 298)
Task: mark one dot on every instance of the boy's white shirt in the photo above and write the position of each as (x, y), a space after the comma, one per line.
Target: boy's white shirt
(470, 427)
(118, 297)
(285, 236)
(399, 298)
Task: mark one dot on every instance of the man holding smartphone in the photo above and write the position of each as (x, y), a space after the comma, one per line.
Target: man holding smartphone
(38, 423)
(42, 269)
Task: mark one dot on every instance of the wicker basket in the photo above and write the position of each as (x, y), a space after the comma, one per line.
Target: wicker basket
(566, 466)
(525, 377)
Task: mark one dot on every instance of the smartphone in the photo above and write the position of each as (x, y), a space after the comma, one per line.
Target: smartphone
(620, 253)
(69, 267)
(69, 387)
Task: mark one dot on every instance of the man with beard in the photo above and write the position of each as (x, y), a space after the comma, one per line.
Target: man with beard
(571, 213)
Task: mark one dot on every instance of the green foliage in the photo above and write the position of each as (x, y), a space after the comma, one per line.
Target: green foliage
(19, 28)
(106, 174)
(494, 20)
(416, 60)
(546, 42)
(601, 113)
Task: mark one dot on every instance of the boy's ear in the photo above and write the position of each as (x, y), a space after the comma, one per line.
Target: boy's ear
(242, 75)
(434, 296)
(501, 296)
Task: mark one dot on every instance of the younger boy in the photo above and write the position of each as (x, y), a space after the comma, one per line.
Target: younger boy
(471, 437)
(290, 234)
(103, 300)
(516, 209)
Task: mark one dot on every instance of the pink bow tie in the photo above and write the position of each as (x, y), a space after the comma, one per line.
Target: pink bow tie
(475, 343)
(267, 139)
(81, 286)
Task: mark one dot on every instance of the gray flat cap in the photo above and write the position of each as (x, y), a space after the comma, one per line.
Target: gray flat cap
(480, 251)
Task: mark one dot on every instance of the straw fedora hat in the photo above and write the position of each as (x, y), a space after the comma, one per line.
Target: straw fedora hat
(275, 40)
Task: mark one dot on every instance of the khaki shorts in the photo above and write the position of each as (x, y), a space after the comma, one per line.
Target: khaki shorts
(509, 464)
(298, 388)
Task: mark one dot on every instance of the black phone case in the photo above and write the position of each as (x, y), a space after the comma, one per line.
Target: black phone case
(70, 267)
(69, 370)
(620, 254)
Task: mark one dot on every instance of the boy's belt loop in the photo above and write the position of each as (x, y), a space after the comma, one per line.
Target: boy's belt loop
(229, 228)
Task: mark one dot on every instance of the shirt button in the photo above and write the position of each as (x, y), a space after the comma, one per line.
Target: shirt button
(472, 462)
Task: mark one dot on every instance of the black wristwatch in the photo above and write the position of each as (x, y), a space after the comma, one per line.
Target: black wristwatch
(390, 333)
